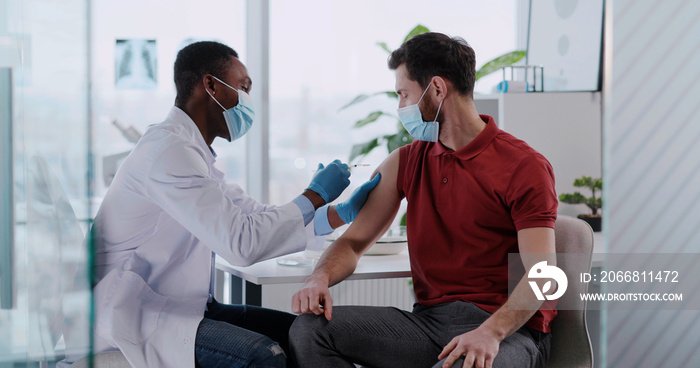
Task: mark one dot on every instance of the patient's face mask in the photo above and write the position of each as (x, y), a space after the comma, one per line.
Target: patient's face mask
(240, 117)
(412, 120)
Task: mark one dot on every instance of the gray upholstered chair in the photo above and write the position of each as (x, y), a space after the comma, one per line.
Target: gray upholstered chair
(571, 345)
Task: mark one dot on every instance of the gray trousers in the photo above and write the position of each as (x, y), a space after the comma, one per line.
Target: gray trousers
(386, 337)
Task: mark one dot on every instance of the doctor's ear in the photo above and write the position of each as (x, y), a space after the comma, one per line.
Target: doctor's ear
(208, 82)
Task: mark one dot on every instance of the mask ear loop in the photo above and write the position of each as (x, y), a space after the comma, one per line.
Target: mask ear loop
(421, 96)
(212, 96)
(225, 84)
(438, 112)
(215, 100)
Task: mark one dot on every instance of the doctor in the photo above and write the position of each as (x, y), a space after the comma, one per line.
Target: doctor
(169, 210)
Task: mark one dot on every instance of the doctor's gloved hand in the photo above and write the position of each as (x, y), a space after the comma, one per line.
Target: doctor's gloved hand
(349, 209)
(330, 181)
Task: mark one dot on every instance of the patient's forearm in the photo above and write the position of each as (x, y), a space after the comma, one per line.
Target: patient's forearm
(520, 307)
(535, 245)
(337, 263)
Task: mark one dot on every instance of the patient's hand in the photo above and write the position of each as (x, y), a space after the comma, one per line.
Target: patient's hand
(479, 348)
(314, 297)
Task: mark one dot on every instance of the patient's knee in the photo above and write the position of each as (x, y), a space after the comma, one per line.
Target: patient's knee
(306, 324)
(306, 328)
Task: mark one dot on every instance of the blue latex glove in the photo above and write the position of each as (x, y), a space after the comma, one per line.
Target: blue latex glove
(331, 180)
(349, 209)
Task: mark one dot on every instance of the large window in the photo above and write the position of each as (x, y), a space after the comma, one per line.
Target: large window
(134, 45)
(324, 53)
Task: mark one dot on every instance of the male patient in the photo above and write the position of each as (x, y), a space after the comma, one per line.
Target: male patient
(475, 194)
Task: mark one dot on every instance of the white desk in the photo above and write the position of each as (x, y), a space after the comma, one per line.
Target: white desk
(269, 272)
(369, 267)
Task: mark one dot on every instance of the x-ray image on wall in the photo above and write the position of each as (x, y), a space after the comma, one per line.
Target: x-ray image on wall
(135, 64)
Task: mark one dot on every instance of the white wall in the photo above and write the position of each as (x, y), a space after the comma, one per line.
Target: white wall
(565, 127)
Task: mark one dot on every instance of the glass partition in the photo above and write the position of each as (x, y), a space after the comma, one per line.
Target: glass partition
(46, 291)
(79, 82)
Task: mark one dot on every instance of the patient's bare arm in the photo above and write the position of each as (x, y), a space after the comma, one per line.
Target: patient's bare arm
(340, 260)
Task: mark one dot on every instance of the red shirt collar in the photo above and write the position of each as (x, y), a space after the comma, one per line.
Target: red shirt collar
(474, 147)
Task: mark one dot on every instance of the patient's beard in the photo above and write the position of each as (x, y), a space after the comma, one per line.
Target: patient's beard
(429, 109)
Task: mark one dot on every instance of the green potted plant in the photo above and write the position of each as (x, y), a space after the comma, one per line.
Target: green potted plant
(594, 202)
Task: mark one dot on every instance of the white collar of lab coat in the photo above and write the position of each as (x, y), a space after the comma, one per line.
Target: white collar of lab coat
(178, 117)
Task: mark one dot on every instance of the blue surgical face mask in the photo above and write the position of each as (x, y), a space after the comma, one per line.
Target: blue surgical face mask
(240, 117)
(412, 120)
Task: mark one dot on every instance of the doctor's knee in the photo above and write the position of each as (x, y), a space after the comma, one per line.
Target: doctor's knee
(267, 353)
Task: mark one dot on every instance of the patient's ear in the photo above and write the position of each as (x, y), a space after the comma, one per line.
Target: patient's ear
(440, 89)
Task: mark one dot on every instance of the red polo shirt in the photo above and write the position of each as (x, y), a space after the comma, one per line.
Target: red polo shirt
(464, 210)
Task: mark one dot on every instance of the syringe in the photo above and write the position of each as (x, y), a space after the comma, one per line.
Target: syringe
(353, 165)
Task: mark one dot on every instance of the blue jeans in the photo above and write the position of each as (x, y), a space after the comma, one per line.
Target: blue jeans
(242, 336)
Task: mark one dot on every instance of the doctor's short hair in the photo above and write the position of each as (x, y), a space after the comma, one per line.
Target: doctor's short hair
(196, 60)
(435, 54)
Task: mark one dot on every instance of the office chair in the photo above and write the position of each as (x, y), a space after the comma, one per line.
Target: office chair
(571, 345)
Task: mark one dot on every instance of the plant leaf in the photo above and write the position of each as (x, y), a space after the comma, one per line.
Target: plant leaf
(384, 46)
(499, 62)
(394, 141)
(355, 100)
(363, 97)
(594, 204)
(362, 149)
(574, 198)
(419, 29)
(403, 219)
(372, 117)
(584, 181)
(598, 183)
(391, 142)
(391, 94)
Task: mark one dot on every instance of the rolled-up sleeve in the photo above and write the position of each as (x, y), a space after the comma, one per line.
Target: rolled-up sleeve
(531, 194)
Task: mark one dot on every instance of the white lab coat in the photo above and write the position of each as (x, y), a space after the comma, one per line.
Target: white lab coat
(165, 212)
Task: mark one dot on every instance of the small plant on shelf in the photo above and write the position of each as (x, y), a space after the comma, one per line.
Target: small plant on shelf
(594, 202)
